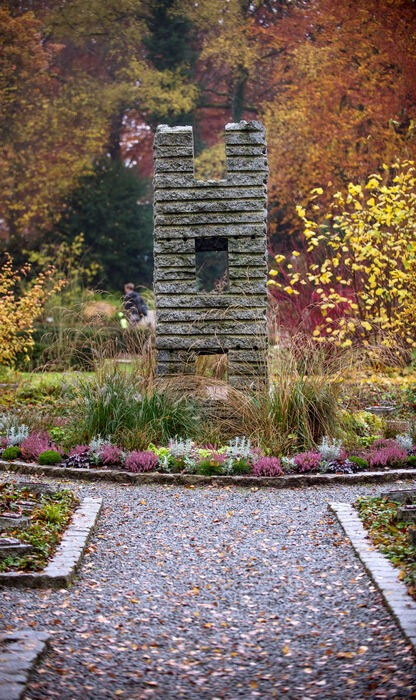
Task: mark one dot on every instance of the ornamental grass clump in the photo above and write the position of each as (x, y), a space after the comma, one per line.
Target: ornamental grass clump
(113, 404)
(268, 466)
(137, 461)
(303, 403)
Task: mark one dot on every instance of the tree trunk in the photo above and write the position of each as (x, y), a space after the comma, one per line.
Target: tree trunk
(114, 139)
(238, 97)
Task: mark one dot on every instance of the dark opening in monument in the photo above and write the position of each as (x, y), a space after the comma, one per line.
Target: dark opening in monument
(211, 263)
(212, 364)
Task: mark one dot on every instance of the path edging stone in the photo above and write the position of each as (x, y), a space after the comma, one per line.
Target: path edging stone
(20, 651)
(61, 570)
(381, 571)
(279, 482)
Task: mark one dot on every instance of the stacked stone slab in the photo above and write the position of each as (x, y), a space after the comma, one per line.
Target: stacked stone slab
(232, 321)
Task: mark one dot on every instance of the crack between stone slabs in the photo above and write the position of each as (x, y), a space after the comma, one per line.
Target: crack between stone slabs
(380, 571)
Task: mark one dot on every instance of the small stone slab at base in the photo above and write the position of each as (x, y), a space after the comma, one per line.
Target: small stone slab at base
(11, 547)
(407, 514)
(383, 574)
(19, 652)
(400, 496)
(9, 522)
(61, 570)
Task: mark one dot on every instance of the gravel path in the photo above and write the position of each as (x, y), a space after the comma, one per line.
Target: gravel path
(216, 594)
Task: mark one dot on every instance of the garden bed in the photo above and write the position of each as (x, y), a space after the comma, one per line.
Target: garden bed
(391, 535)
(57, 546)
(281, 482)
(32, 523)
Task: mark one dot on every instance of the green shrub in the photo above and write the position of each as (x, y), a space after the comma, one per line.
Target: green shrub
(208, 468)
(359, 462)
(411, 461)
(241, 466)
(49, 457)
(12, 452)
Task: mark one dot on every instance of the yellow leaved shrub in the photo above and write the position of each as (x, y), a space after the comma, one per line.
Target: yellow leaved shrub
(359, 261)
(19, 308)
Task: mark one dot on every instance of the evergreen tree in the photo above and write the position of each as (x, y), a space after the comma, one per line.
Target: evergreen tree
(117, 228)
(169, 46)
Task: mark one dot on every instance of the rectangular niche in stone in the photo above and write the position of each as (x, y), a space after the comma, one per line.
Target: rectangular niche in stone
(211, 263)
(210, 255)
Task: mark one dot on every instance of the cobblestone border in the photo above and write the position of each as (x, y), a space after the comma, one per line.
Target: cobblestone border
(278, 482)
(61, 570)
(380, 570)
(19, 652)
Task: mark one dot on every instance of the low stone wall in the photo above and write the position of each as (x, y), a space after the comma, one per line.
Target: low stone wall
(278, 482)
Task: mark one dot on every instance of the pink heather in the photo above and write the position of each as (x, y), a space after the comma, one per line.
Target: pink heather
(387, 456)
(268, 466)
(35, 444)
(141, 461)
(110, 454)
(307, 461)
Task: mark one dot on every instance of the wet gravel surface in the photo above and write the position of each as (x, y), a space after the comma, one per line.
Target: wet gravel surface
(212, 593)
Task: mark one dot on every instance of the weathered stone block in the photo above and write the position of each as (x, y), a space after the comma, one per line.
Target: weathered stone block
(228, 216)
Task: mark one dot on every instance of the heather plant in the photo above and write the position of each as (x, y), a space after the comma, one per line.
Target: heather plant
(79, 450)
(35, 444)
(307, 461)
(388, 456)
(110, 454)
(268, 466)
(137, 461)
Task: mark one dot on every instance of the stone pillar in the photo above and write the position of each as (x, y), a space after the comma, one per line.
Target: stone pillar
(228, 215)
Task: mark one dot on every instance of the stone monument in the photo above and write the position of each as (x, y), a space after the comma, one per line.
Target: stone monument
(210, 255)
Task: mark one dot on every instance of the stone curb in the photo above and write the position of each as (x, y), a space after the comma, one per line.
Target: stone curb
(380, 570)
(279, 482)
(19, 652)
(61, 570)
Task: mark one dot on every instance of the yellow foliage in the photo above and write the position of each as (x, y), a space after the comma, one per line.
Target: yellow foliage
(369, 248)
(18, 311)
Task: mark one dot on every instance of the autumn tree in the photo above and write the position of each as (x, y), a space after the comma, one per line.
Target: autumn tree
(358, 263)
(20, 309)
(48, 131)
(346, 101)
